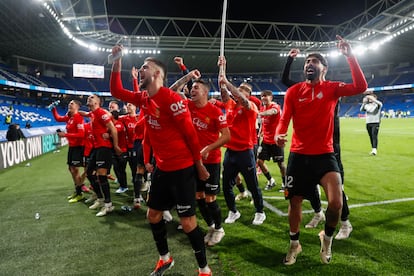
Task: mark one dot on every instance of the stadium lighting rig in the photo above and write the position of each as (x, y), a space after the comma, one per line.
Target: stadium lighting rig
(100, 48)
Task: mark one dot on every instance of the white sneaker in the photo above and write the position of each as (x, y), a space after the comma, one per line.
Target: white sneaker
(232, 217)
(167, 216)
(121, 190)
(99, 203)
(317, 218)
(294, 250)
(92, 198)
(344, 231)
(270, 184)
(326, 244)
(216, 237)
(259, 218)
(210, 231)
(243, 195)
(373, 152)
(105, 210)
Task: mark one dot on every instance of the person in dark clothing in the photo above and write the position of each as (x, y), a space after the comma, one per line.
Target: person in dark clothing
(14, 133)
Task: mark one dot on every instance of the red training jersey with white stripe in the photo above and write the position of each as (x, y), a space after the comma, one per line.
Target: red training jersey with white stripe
(312, 108)
(99, 119)
(242, 125)
(167, 123)
(208, 121)
(75, 131)
(269, 122)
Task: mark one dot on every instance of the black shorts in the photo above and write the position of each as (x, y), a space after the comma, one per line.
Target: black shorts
(304, 172)
(267, 151)
(176, 188)
(100, 158)
(75, 156)
(212, 185)
(136, 154)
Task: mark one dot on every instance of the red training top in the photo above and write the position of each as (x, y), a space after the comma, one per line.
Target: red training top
(167, 122)
(312, 108)
(75, 131)
(269, 123)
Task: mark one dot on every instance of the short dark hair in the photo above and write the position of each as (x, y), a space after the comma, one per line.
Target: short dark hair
(203, 82)
(160, 64)
(319, 57)
(267, 93)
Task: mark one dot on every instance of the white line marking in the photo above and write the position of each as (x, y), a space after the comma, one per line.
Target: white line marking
(283, 214)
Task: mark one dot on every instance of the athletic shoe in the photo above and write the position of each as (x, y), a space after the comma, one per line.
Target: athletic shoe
(373, 152)
(344, 231)
(105, 210)
(205, 273)
(92, 198)
(259, 218)
(137, 203)
(216, 237)
(167, 216)
(99, 203)
(282, 189)
(121, 190)
(76, 198)
(162, 266)
(210, 231)
(243, 195)
(232, 217)
(85, 188)
(145, 186)
(294, 251)
(326, 253)
(72, 195)
(318, 217)
(270, 184)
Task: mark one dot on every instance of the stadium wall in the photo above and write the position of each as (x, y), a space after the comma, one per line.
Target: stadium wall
(20, 151)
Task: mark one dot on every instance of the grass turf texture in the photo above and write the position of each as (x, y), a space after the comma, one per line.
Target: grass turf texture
(69, 240)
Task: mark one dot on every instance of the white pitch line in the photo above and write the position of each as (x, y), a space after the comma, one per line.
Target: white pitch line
(283, 214)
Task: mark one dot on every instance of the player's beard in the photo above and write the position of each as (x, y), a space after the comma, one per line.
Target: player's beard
(144, 84)
(312, 75)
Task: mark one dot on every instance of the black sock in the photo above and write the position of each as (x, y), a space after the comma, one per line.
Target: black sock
(294, 237)
(103, 182)
(268, 176)
(159, 233)
(345, 208)
(95, 185)
(197, 243)
(215, 212)
(205, 213)
(78, 190)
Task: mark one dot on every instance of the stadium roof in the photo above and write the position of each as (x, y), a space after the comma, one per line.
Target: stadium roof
(256, 33)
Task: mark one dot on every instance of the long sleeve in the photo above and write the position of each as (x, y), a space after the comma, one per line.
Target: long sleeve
(286, 72)
(57, 117)
(359, 83)
(119, 92)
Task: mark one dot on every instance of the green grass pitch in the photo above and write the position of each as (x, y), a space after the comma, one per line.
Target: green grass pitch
(69, 240)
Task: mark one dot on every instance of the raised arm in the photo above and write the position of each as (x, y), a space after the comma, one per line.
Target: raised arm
(179, 84)
(286, 70)
(223, 81)
(115, 83)
(359, 83)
